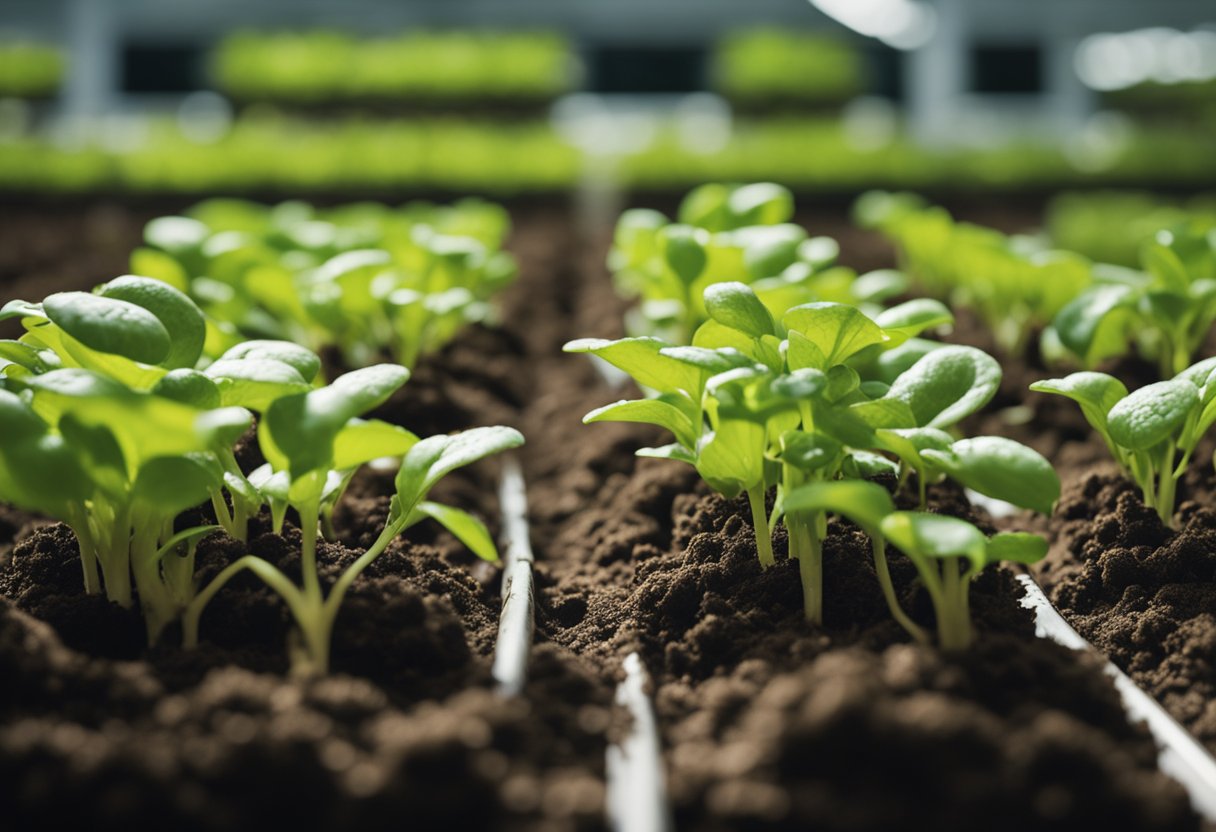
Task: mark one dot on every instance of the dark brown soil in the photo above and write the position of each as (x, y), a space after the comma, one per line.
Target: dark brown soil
(1142, 593)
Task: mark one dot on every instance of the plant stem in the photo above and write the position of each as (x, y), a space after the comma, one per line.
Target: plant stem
(764, 543)
(888, 592)
(309, 520)
(810, 570)
(953, 628)
(1167, 488)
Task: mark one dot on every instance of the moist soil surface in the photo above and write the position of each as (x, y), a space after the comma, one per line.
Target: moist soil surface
(767, 722)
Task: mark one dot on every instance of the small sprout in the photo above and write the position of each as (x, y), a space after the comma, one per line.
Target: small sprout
(1147, 430)
(314, 441)
(948, 553)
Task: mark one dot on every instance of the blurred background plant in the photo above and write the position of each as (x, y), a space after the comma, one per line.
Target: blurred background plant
(105, 96)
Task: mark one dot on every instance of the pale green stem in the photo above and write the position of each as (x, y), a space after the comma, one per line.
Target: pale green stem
(888, 591)
(764, 543)
(273, 578)
(810, 570)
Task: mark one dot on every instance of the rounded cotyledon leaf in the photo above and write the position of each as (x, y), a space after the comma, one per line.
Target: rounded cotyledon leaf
(735, 305)
(302, 427)
(1152, 414)
(923, 535)
(947, 385)
(1002, 469)
(1016, 547)
(304, 360)
(683, 248)
(864, 503)
(180, 316)
(110, 325)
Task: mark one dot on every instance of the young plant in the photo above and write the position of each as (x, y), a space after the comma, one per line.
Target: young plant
(755, 402)
(117, 466)
(1147, 430)
(1016, 284)
(148, 336)
(948, 553)
(935, 544)
(313, 441)
(723, 233)
(364, 279)
(1168, 308)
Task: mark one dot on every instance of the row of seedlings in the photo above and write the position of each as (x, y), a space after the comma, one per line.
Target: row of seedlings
(802, 380)
(123, 407)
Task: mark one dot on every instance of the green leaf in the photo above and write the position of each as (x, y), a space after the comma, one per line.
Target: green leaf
(922, 535)
(800, 385)
(189, 387)
(819, 252)
(878, 286)
(176, 235)
(255, 383)
(179, 315)
(731, 458)
(836, 329)
(303, 360)
(683, 248)
(1161, 262)
(947, 385)
(43, 474)
(864, 503)
(1002, 469)
(361, 441)
(160, 266)
(173, 484)
(435, 457)
(1084, 325)
(110, 325)
(1152, 414)
(712, 361)
(885, 413)
(761, 203)
(1096, 393)
(468, 529)
(1016, 547)
(808, 451)
(912, 318)
(21, 309)
(674, 451)
(302, 428)
(18, 421)
(770, 249)
(736, 306)
(641, 359)
(651, 412)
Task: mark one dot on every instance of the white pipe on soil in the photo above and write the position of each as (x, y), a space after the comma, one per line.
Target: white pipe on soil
(517, 619)
(637, 789)
(1181, 755)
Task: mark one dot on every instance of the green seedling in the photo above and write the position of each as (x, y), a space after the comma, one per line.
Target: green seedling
(118, 466)
(1153, 432)
(723, 234)
(364, 279)
(1168, 307)
(1016, 284)
(313, 442)
(807, 397)
(948, 553)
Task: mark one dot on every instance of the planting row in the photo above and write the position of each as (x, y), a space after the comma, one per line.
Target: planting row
(124, 407)
(267, 152)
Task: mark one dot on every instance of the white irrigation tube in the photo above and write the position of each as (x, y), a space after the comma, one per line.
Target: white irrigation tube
(1181, 755)
(637, 789)
(517, 619)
